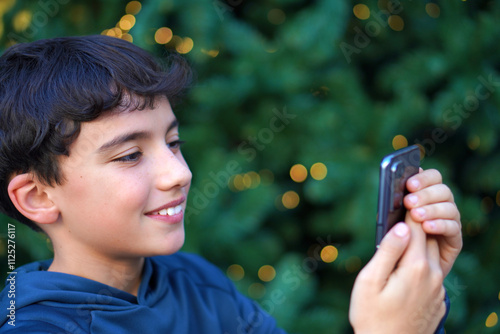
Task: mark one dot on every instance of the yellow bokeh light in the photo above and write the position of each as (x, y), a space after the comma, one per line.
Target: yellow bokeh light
(290, 199)
(432, 10)
(298, 173)
(254, 179)
(361, 11)
(22, 20)
(266, 273)
(256, 290)
(211, 53)
(329, 254)
(474, 142)
(399, 141)
(247, 181)
(237, 183)
(396, 22)
(318, 171)
(235, 272)
(353, 264)
(126, 22)
(266, 176)
(185, 46)
(276, 16)
(492, 320)
(133, 7)
(128, 37)
(114, 32)
(163, 35)
(487, 204)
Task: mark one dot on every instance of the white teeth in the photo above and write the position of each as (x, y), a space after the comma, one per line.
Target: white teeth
(170, 211)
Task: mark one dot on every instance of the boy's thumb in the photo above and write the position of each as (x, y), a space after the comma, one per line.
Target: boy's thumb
(390, 251)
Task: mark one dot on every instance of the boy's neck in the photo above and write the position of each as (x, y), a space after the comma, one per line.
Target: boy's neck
(125, 275)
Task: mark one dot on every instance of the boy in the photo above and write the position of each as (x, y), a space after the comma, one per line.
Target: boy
(90, 154)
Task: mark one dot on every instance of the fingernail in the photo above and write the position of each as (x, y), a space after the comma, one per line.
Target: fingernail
(413, 199)
(431, 225)
(420, 212)
(415, 183)
(401, 229)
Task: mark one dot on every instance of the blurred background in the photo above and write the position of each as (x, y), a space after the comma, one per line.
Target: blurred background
(295, 104)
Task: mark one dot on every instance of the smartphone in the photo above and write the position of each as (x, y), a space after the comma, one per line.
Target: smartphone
(395, 169)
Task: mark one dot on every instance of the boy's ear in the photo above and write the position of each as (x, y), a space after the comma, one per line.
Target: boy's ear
(30, 198)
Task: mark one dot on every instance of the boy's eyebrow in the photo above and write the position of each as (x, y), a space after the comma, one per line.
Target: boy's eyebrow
(117, 141)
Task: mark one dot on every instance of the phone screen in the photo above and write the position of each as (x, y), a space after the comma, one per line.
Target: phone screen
(395, 169)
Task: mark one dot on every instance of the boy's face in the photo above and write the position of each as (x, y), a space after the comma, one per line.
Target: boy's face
(125, 189)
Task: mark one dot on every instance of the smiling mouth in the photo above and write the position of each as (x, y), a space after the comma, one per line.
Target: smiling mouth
(168, 211)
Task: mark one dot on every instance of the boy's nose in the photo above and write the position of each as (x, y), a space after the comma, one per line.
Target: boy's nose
(173, 171)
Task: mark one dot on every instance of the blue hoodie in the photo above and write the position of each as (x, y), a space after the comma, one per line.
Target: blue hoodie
(180, 293)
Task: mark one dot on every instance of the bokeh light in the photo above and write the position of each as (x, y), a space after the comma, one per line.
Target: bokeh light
(256, 290)
(298, 173)
(126, 22)
(133, 7)
(22, 20)
(396, 22)
(163, 35)
(318, 171)
(235, 272)
(353, 264)
(492, 320)
(432, 10)
(361, 11)
(290, 199)
(276, 16)
(399, 142)
(185, 45)
(266, 273)
(329, 254)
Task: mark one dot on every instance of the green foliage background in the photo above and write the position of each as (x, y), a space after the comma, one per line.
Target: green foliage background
(314, 83)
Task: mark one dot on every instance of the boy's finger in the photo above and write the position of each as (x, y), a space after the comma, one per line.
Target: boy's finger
(433, 194)
(444, 227)
(388, 254)
(417, 248)
(445, 210)
(423, 180)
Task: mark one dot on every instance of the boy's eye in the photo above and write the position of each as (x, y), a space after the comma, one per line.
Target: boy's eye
(133, 157)
(176, 144)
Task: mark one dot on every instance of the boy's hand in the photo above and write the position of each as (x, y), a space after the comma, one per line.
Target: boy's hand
(431, 203)
(401, 289)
